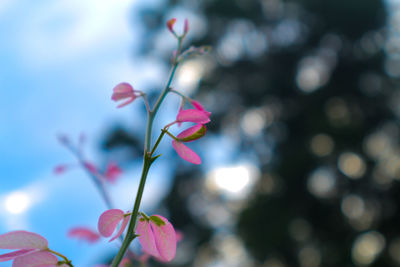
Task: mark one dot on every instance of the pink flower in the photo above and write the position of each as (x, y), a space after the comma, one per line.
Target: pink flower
(109, 221)
(112, 172)
(157, 237)
(193, 115)
(123, 91)
(31, 249)
(189, 135)
(84, 233)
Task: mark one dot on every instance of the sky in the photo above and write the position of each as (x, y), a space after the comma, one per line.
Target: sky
(59, 63)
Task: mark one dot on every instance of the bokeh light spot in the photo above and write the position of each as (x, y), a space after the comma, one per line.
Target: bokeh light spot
(352, 165)
(254, 120)
(321, 182)
(367, 247)
(322, 145)
(352, 206)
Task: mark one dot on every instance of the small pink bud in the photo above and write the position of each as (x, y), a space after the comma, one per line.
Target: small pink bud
(123, 91)
(84, 233)
(170, 25)
(112, 172)
(185, 26)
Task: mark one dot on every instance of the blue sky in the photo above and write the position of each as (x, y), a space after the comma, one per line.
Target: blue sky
(59, 63)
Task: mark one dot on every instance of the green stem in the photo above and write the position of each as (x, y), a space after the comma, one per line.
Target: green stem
(158, 141)
(67, 261)
(130, 235)
(147, 161)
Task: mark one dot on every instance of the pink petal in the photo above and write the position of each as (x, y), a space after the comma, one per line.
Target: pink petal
(146, 238)
(196, 104)
(165, 238)
(112, 172)
(185, 152)
(84, 233)
(193, 115)
(121, 228)
(192, 133)
(22, 239)
(109, 220)
(14, 254)
(37, 259)
(130, 100)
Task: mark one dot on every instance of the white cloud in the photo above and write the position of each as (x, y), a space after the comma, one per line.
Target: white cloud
(60, 31)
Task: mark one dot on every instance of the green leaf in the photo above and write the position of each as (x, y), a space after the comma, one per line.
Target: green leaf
(157, 220)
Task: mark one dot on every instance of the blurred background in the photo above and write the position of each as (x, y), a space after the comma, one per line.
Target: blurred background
(301, 162)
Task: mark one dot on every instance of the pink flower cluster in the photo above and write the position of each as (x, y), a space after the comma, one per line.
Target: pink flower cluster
(156, 234)
(198, 115)
(31, 250)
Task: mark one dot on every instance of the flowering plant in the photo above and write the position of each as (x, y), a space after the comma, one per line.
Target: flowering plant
(155, 233)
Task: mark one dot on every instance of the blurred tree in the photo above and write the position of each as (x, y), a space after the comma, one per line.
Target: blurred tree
(300, 89)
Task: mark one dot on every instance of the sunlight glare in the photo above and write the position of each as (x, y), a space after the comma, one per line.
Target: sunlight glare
(17, 202)
(235, 180)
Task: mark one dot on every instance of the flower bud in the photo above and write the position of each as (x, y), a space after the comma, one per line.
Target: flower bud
(185, 27)
(192, 133)
(170, 25)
